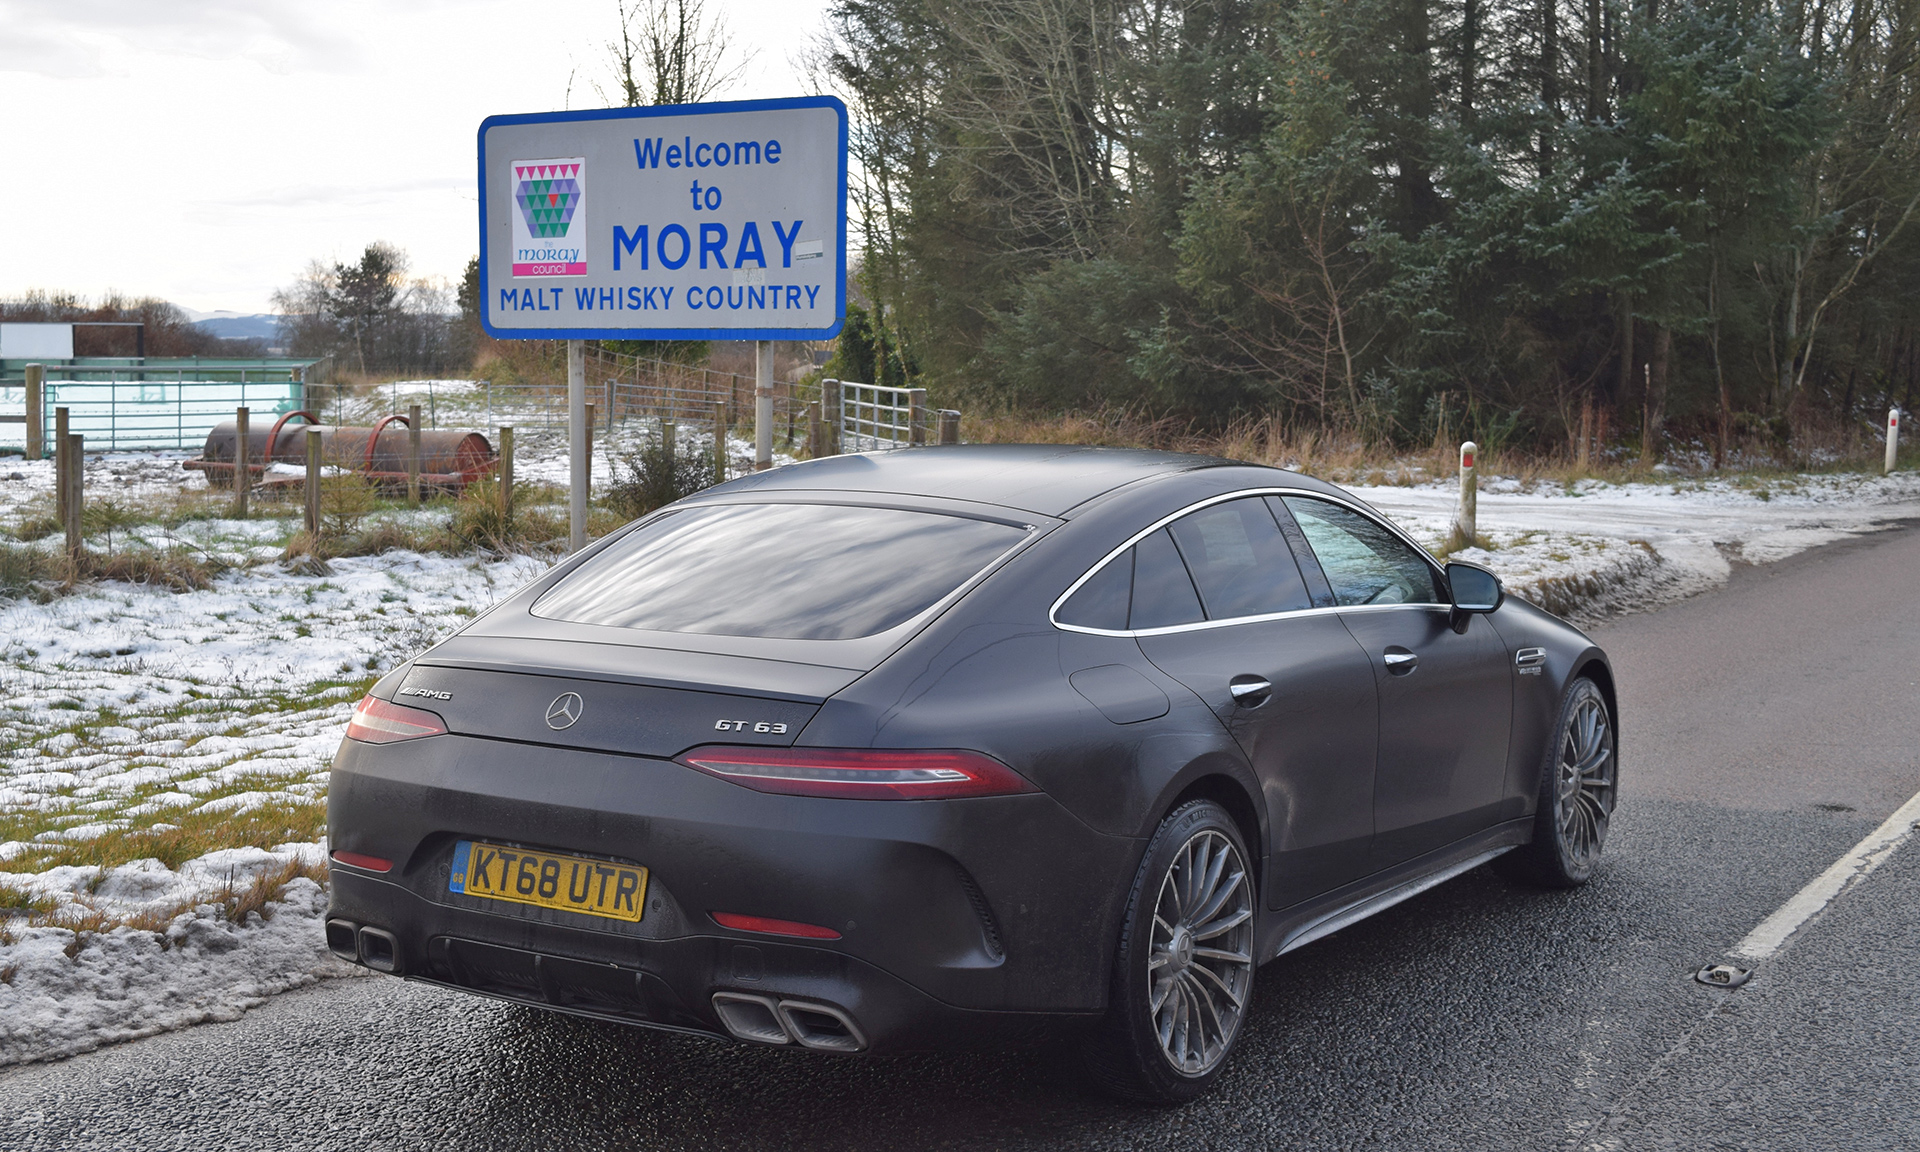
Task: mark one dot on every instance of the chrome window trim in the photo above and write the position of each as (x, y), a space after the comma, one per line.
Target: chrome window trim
(1053, 612)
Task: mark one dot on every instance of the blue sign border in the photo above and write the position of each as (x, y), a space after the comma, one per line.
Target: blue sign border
(840, 302)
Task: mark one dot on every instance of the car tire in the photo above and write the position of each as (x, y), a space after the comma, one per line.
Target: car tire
(1183, 971)
(1579, 786)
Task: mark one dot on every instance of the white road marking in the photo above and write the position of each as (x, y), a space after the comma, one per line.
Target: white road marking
(1847, 871)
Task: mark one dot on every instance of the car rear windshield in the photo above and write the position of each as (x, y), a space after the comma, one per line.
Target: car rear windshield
(779, 571)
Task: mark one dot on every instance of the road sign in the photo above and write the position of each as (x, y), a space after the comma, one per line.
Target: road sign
(686, 222)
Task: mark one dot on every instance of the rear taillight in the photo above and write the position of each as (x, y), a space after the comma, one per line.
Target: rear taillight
(378, 722)
(860, 773)
(361, 860)
(772, 927)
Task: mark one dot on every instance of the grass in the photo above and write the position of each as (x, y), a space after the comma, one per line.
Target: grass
(173, 816)
(173, 838)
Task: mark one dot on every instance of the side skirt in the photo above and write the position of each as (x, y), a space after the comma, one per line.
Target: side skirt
(1304, 923)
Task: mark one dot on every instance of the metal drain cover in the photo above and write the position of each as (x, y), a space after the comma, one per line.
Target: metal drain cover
(1723, 976)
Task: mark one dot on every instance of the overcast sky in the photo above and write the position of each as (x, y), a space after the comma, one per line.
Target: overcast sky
(204, 151)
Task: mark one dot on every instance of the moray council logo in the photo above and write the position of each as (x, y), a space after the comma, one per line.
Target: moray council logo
(551, 198)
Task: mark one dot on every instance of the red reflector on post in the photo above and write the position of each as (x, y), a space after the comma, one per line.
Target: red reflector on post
(860, 773)
(378, 722)
(370, 863)
(772, 927)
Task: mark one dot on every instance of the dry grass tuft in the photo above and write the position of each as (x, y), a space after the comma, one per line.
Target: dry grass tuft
(26, 571)
(1345, 457)
(175, 569)
(237, 903)
(37, 527)
(18, 902)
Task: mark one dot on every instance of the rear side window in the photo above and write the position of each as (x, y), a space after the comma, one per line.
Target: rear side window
(1163, 593)
(1364, 561)
(785, 571)
(1103, 600)
(1240, 563)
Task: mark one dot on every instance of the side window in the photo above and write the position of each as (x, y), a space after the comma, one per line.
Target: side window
(1239, 561)
(1102, 601)
(1163, 593)
(1365, 563)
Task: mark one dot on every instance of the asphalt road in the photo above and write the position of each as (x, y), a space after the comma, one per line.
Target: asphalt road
(1767, 728)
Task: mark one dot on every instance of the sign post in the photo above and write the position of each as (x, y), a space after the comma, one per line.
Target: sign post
(718, 221)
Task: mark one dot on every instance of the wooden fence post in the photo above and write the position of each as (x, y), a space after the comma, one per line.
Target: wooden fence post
(610, 408)
(413, 454)
(313, 486)
(816, 431)
(506, 479)
(589, 474)
(949, 426)
(37, 413)
(60, 485)
(719, 443)
(830, 413)
(242, 471)
(75, 483)
(917, 416)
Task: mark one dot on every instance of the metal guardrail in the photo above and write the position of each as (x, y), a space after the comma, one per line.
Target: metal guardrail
(151, 403)
(179, 369)
(875, 417)
(879, 417)
(165, 414)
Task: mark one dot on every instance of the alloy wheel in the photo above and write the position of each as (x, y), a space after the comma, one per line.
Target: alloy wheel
(1200, 961)
(1584, 791)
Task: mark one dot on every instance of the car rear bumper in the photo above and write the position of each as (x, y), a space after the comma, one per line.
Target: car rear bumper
(958, 919)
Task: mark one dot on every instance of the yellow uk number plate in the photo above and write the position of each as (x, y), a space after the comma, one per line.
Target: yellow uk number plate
(549, 880)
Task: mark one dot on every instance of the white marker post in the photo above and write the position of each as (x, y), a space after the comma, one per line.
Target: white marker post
(687, 222)
(1466, 515)
(577, 448)
(762, 405)
(1893, 437)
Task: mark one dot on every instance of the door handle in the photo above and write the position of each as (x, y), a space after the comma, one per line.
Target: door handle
(1399, 661)
(1250, 691)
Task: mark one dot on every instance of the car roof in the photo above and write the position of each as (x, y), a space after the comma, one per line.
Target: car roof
(1049, 479)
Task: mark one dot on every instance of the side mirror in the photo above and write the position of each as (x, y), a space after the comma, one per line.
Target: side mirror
(1474, 590)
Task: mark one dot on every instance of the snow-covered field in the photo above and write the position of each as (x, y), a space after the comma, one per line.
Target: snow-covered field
(131, 707)
(129, 711)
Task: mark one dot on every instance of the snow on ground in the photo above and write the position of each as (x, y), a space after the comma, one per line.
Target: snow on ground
(1641, 545)
(123, 700)
(123, 703)
(200, 961)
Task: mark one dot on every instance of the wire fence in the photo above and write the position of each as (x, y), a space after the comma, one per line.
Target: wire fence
(626, 388)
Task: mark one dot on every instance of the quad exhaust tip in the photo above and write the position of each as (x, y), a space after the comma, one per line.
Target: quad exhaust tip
(343, 940)
(766, 1020)
(357, 944)
(379, 950)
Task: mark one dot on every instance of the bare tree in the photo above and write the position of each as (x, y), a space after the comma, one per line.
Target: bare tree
(670, 52)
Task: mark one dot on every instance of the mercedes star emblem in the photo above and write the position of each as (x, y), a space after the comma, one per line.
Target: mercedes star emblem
(564, 710)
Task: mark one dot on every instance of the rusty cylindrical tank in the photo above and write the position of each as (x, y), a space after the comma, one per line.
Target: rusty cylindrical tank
(448, 459)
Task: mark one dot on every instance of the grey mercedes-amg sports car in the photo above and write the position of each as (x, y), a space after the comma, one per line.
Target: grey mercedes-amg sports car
(890, 752)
